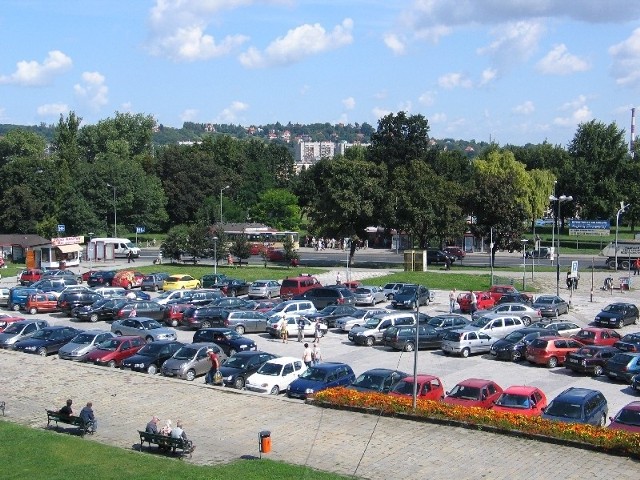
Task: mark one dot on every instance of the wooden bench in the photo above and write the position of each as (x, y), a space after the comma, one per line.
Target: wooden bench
(239, 263)
(57, 417)
(189, 260)
(169, 443)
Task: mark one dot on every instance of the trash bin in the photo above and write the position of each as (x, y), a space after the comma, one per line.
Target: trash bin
(264, 441)
(624, 283)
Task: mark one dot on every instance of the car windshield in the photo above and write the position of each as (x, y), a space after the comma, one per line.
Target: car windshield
(164, 295)
(480, 322)
(372, 322)
(564, 409)
(328, 309)
(514, 401)
(408, 291)
(232, 334)
(435, 321)
(587, 351)
(372, 382)
(43, 334)
(111, 345)
(389, 286)
(271, 369)
(151, 349)
(515, 336)
(14, 328)
(315, 374)
(453, 336)
(586, 334)
(628, 417)
(83, 339)
(363, 291)
(614, 308)
(185, 353)
(236, 362)
(465, 392)
(259, 284)
(279, 308)
(404, 388)
(151, 324)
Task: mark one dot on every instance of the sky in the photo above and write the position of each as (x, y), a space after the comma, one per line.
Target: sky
(507, 71)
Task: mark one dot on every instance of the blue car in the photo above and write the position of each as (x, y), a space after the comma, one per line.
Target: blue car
(46, 340)
(578, 405)
(227, 339)
(320, 377)
(18, 297)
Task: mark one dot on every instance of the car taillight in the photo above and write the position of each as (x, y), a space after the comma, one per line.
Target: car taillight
(226, 322)
(340, 301)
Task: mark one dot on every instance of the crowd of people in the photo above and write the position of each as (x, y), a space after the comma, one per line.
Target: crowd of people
(168, 431)
(323, 243)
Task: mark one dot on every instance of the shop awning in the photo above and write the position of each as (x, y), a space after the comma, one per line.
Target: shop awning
(69, 248)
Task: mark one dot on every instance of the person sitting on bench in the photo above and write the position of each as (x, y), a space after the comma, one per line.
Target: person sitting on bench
(66, 410)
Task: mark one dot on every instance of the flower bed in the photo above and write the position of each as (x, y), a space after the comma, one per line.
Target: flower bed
(603, 439)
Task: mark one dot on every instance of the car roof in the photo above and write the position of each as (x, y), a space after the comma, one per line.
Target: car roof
(251, 353)
(475, 382)
(521, 389)
(576, 393)
(284, 360)
(329, 365)
(422, 377)
(635, 406)
(217, 329)
(379, 371)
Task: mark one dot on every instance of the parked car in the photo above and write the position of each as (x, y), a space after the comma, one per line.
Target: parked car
(291, 287)
(210, 315)
(127, 279)
(484, 301)
(18, 297)
(41, 302)
(381, 380)
(209, 280)
(309, 330)
(320, 377)
(352, 285)
(551, 350)
(457, 252)
(543, 252)
(330, 314)
(103, 309)
(390, 289)
(68, 301)
(4, 296)
(515, 297)
(191, 361)
(525, 312)
(369, 295)
(564, 329)
(444, 322)
(275, 375)
(629, 343)
(474, 392)
(578, 405)
(113, 351)
(174, 313)
(635, 384)
(17, 331)
(245, 321)
(83, 343)
(590, 359)
(627, 419)
(179, 282)
(371, 332)
(438, 256)
(404, 337)
(173, 296)
(240, 366)
(227, 339)
(148, 328)
(551, 305)
(201, 298)
(359, 318)
(110, 292)
(623, 366)
(429, 387)
(597, 336)
(7, 319)
(514, 345)
(151, 357)
(522, 400)
(465, 342)
(101, 278)
(496, 325)
(617, 315)
(153, 281)
(233, 287)
(264, 289)
(410, 295)
(140, 309)
(497, 291)
(61, 273)
(46, 340)
(323, 296)
(29, 276)
(288, 307)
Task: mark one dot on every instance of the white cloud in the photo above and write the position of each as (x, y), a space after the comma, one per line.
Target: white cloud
(394, 43)
(189, 115)
(454, 80)
(191, 44)
(92, 91)
(299, 43)
(378, 112)
(488, 75)
(626, 61)
(349, 103)
(577, 112)
(560, 62)
(53, 109)
(230, 114)
(427, 98)
(126, 107)
(438, 118)
(514, 42)
(32, 73)
(526, 108)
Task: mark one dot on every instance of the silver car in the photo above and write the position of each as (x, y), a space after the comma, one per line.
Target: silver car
(82, 344)
(20, 330)
(466, 342)
(242, 321)
(4, 297)
(369, 295)
(264, 289)
(496, 325)
(347, 323)
(191, 361)
(148, 328)
(525, 312)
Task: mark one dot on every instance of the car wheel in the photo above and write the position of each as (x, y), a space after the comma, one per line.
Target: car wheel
(370, 341)
(155, 288)
(111, 364)
(465, 352)
(206, 324)
(33, 310)
(42, 352)
(191, 375)
(597, 371)
(516, 356)
(107, 284)
(619, 324)
(526, 321)
(268, 294)
(552, 362)
(93, 318)
(240, 330)
(603, 420)
(408, 347)
(275, 390)
(232, 352)
(238, 383)
(152, 369)
(149, 339)
(174, 323)
(556, 313)
(118, 333)
(16, 308)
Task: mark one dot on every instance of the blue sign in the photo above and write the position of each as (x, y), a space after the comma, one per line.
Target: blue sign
(590, 224)
(139, 229)
(60, 228)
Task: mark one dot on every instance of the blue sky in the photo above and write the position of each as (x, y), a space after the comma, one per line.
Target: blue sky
(511, 71)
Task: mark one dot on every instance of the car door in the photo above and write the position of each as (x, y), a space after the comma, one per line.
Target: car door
(484, 342)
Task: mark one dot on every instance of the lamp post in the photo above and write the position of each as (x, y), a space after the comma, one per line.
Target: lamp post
(623, 207)
(222, 190)
(559, 200)
(524, 263)
(90, 254)
(115, 212)
(215, 255)
(415, 352)
(555, 220)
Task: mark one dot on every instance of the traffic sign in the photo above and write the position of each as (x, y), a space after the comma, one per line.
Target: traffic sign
(139, 229)
(61, 228)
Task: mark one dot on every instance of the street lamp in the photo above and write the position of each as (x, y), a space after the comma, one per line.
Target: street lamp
(623, 207)
(559, 200)
(215, 255)
(90, 254)
(115, 212)
(555, 220)
(524, 264)
(222, 190)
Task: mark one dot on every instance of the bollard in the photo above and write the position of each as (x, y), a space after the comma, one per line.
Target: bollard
(264, 442)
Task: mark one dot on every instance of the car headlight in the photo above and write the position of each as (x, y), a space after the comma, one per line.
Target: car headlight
(229, 378)
(31, 348)
(360, 334)
(242, 347)
(138, 365)
(309, 391)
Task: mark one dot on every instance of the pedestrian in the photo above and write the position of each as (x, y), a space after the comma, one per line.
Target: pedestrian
(301, 323)
(636, 266)
(473, 300)
(214, 376)
(316, 354)
(66, 410)
(447, 263)
(284, 333)
(152, 426)
(452, 300)
(306, 355)
(338, 279)
(130, 257)
(318, 331)
(88, 417)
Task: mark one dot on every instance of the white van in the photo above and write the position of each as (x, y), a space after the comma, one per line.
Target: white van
(110, 248)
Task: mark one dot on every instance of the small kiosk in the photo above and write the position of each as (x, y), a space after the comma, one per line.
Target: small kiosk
(62, 252)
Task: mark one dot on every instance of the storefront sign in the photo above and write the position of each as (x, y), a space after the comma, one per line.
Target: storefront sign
(67, 240)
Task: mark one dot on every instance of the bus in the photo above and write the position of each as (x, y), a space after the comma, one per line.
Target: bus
(262, 239)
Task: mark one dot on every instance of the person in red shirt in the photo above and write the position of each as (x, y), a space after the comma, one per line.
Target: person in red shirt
(215, 367)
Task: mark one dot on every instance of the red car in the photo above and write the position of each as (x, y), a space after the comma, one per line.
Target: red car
(85, 276)
(455, 251)
(32, 275)
(474, 392)
(496, 291)
(429, 388)
(7, 319)
(597, 336)
(522, 400)
(483, 299)
(174, 312)
(352, 285)
(111, 352)
(41, 302)
(627, 419)
(127, 279)
(551, 351)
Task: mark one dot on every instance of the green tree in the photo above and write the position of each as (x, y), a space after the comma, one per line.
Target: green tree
(21, 144)
(290, 251)
(279, 209)
(240, 247)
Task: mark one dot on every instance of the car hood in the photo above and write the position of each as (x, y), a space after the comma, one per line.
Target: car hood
(301, 384)
(502, 343)
(462, 401)
(362, 389)
(360, 328)
(99, 354)
(140, 358)
(71, 348)
(228, 371)
(9, 337)
(242, 341)
(609, 315)
(30, 342)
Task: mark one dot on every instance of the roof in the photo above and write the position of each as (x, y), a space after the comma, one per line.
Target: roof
(632, 406)
(576, 393)
(22, 240)
(520, 390)
(283, 360)
(475, 382)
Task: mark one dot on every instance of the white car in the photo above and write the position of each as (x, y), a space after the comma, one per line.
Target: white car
(347, 323)
(166, 297)
(274, 326)
(369, 295)
(275, 375)
(291, 307)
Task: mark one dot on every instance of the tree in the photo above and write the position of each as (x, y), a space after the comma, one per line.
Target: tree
(241, 247)
(279, 209)
(290, 253)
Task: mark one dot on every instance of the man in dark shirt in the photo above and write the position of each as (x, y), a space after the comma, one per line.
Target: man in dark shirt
(152, 426)
(86, 414)
(66, 410)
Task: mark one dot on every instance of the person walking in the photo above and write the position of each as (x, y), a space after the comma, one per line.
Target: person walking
(338, 279)
(452, 300)
(474, 302)
(316, 354)
(214, 372)
(301, 329)
(307, 356)
(636, 266)
(284, 333)
(317, 331)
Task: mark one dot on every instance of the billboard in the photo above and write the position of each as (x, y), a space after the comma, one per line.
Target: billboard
(589, 227)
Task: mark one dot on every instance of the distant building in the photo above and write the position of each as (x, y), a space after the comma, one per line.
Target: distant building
(306, 153)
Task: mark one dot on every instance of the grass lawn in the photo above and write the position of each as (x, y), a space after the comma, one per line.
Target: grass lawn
(38, 454)
(438, 280)
(247, 273)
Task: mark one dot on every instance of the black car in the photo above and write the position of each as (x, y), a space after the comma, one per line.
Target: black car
(46, 340)
(212, 314)
(629, 343)
(331, 313)
(550, 305)
(151, 357)
(515, 298)
(618, 315)
(407, 297)
(240, 366)
(380, 380)
(211, 280)
(101, 278)
(623, 366)
(512, 347)
(198, 298)
(324, 296)
(445, 322)
(438, 256)
(67, 301)
(232, 287)
(227, 339)
(142, 309)
(404, 337)
(104, 309)
(589, 359)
